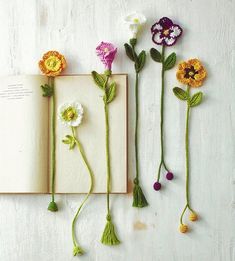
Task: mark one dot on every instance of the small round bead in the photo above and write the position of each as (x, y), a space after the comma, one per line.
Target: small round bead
(169, 176)
(183, 228)
(193, 216)
(157, 186)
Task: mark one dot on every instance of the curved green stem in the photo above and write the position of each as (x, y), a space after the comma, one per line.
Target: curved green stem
(187, 166)
(90, 188)
(162, 161)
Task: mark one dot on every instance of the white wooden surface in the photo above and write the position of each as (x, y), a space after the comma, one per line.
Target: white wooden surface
(74, 27)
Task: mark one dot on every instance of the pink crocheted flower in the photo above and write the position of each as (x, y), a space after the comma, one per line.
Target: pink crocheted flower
(106, 52)
(165, 32)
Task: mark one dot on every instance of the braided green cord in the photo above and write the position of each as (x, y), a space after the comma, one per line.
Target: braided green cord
(90, 189)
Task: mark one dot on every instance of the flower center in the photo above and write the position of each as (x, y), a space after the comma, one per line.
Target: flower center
(69, 114)
(190, 72)
(106, 50)
(136, 20)
(53, 63)
(166, 32)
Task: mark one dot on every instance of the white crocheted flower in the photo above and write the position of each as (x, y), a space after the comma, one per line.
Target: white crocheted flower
(135, 22)
(71, 114)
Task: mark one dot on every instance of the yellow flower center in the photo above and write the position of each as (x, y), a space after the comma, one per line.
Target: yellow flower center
(69, 114)
(136, 20)
(191, 73)
(166, 32)
(53, 63)
(106, 50)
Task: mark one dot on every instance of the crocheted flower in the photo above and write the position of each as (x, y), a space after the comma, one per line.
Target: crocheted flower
(52, 63)
(165, 32)
(191, 73)
(106, 53)
(135, 21)
(71, 114)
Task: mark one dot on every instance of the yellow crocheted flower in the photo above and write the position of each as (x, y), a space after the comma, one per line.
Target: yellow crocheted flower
(191, 73)
(193, 216)
(52, 63)
(183, 228)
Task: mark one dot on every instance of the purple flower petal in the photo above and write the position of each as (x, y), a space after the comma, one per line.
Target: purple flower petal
(165, 22)
(106, 53)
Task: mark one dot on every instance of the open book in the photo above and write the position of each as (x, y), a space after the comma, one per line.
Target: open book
(25, 139)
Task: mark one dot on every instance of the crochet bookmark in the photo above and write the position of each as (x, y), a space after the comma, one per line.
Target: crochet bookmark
(71, 114)
(164, 33)
(52, 64)
(107, 52)
(135, 21)
(192, 73)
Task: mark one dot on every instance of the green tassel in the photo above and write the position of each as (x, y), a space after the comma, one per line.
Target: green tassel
(52, 206)
(77, 251)
(109, 236)
(139, 200)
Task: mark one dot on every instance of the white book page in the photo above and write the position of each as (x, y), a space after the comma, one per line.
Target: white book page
(71, 172)
(23, 135)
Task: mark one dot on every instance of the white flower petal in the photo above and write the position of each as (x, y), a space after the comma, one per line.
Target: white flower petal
(176, 31)
(135, 18)
(157, 39)
(170, 41)
(157, 27)
(135, 22)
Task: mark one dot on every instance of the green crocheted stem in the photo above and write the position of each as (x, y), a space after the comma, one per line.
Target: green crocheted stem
(77, 249)
(109, 236)
(139, 199)
(187, 157)
(162, 162)
(52, 205)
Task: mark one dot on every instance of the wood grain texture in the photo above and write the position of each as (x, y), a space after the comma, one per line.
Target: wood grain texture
(74, 27)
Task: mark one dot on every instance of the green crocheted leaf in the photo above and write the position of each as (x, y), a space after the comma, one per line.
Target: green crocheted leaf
(170, 61)
(98, 79)
(47, 90)
(140, 61)
(180, 93)
(70, 141)
(111, 92)
(129, 52)
(196, 99)
(155, 55)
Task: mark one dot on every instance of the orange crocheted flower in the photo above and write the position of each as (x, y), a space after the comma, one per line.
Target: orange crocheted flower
(52, 63)
(191, 73)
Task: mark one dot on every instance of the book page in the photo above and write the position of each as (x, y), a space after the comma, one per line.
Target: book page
(23, 135)
(71, 172)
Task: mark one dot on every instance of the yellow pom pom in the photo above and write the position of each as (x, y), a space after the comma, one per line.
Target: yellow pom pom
(193, 216)
(183, 228)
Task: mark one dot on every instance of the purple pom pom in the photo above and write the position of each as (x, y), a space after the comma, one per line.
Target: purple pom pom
(157, 186)
(169, 176)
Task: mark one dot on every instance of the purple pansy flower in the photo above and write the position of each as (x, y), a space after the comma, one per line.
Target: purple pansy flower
(106, 52)
(165, 32)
